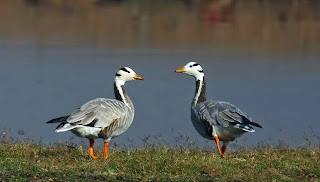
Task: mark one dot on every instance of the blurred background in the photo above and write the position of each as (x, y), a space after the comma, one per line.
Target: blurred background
(260, 55)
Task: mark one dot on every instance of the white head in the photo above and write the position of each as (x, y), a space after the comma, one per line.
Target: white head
(126, 74)
(193, 69)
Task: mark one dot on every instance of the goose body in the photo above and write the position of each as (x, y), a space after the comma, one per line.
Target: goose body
(102, 118)
(215, 120)
(95, 115)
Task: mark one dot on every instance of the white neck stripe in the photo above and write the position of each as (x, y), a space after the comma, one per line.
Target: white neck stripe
(196, 97)
(119, 88)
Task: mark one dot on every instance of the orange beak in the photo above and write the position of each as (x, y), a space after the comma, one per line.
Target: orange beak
(181, 70)
(137, 77)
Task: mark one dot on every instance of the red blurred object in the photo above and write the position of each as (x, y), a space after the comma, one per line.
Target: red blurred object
(218, 16)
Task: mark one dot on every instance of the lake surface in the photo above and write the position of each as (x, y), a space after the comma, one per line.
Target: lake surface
(53, 60)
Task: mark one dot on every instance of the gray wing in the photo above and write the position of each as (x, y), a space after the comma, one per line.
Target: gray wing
(99, 112)
(223, 114)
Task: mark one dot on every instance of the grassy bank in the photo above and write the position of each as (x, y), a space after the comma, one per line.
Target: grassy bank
(24, 162)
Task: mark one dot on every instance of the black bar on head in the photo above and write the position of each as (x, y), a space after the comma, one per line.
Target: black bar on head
(124, 69)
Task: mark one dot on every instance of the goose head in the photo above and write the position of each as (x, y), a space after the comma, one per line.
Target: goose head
(126, 74)
(193, 69)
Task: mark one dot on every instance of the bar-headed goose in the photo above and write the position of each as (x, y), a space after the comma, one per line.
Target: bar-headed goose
(215, 120)
(101, 117)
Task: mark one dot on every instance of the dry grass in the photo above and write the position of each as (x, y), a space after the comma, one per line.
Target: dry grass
(25, 162)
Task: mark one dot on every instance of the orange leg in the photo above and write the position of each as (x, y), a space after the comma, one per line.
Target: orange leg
(106, 146)
(223, 149)
(217, 141)
(91, 149)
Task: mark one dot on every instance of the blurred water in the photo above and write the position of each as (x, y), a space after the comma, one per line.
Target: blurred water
(45, 76)
(282, 96)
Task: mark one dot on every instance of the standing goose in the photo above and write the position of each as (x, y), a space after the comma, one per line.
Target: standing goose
(101, 117)
(215, 120)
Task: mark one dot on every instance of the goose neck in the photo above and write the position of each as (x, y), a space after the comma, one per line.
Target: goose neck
(200, 94)
(121, 94)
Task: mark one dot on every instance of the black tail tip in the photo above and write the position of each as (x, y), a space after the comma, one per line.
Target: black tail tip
(51, 121)
(256, 124)
(58, 120)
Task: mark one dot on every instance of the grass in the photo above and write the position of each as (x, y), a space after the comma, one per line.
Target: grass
(23, 161)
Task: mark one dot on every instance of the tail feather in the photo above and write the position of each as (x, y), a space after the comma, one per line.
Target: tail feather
(62, 119)
(244, 127)
(65, 127)
(255, 124)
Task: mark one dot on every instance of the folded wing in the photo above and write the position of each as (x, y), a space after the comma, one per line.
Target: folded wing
(98, 113)
(224, 114)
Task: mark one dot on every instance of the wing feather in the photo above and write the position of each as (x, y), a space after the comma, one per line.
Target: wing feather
(80, 114)
(101, 111)
(222, 113)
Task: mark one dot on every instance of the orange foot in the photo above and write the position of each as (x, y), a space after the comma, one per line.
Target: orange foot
(91, 149)
(92, 155)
